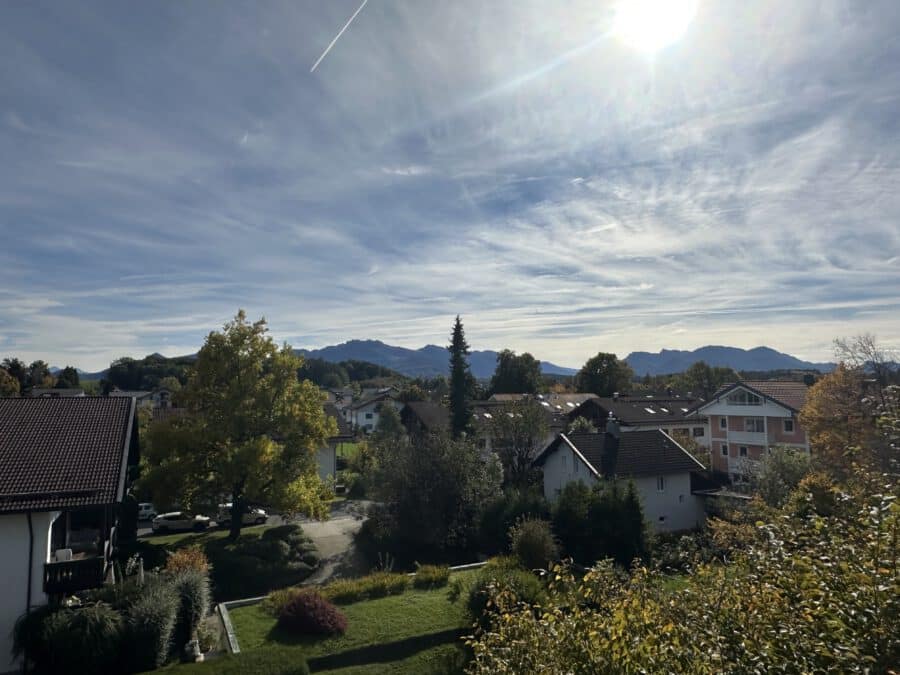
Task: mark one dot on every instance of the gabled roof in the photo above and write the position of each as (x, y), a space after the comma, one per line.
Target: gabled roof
(125, 393)
(37, 392)
(62, 453)
(373, 399)
(791, 395)
(433, 417)
(335, 414)
(639, 453)
(641, 410)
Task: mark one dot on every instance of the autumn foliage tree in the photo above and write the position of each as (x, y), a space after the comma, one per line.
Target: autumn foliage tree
(603, 375)
(251, 432)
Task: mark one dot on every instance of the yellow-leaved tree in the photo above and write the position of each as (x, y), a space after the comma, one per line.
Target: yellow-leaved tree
(250, 433)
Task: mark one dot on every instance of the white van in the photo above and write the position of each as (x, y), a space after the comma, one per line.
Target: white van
(146, 511)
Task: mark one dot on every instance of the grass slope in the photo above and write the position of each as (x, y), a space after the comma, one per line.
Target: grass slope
(416, 632)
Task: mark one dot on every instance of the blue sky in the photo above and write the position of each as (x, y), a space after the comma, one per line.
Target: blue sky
(166, 163)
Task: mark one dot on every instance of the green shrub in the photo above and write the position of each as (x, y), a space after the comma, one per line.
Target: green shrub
(192, 589)
(276, 600)
(532, 542)
(375, 585)
(504, 512)
(526, 588)
(431, 576)
(310, 613)
(150, 625)
(87, 639)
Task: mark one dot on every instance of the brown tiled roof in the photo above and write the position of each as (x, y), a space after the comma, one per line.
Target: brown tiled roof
(59, 453)
(639, 453)
(787, 393)
(433, 417)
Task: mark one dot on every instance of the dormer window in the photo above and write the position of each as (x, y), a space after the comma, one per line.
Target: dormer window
(743, 397)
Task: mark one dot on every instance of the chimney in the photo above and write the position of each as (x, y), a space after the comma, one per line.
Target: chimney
(612, 426)
(610, 454)
(615, 397)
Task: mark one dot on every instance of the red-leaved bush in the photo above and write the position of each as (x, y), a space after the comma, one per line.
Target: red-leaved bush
(310, 613)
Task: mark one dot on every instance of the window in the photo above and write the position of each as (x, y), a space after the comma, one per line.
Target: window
(725, 449)
(368, 416)
(662, 519)
(681, 499)
(723, 422)
(754, 424)
(743, 398)
(743, 451)
(576, 463)
(565, 461)
(699, 431)
(788, 426)
(661, 484)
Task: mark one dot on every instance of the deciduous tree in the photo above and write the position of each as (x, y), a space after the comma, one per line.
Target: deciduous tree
(603, 375)
(516, 431)
(516, 374)
(67, 378)
(252, 431)
(9, 385)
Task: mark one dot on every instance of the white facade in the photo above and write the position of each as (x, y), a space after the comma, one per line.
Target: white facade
(14, 543)
(365, 417)
(669, 509)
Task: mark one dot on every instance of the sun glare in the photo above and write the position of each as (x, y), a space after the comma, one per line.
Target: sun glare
(650, 25)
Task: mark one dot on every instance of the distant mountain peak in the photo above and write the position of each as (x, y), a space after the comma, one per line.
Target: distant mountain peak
(760, 358)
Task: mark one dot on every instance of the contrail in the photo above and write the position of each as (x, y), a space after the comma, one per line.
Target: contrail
(337, 37)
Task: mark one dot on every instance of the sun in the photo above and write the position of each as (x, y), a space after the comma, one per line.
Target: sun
(650, 25)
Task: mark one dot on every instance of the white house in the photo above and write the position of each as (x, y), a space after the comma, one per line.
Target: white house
(364, 414)
(659, 467)
(327, 456)
(63, 468)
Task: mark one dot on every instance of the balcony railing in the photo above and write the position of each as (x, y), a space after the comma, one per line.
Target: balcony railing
(73, 576)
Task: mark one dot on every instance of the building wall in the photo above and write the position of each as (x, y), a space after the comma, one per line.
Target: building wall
(14, 541)
(675, 508)
(736, 436)
(367, 424)
(327, 462)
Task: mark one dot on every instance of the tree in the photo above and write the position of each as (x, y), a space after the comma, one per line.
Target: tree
(389, 426)
(863, 353)
(171, 383)
(413, 392)
(603, 375)
(434, 489)
(252, 431)
(582, 425)
(39, 374)
(837, 418)
(779, 473)
(704, 380)
(67, 378)
(516, 374)
(516, 430)
(461, 381)
(17, 369)
(9, 385)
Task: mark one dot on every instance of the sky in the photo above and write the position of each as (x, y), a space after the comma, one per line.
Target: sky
(515, 162)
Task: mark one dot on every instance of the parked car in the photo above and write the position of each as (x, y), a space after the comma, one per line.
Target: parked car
(179, 521)
(253, 516)
(146, 511)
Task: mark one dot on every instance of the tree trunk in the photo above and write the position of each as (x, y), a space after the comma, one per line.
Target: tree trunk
(238, 508)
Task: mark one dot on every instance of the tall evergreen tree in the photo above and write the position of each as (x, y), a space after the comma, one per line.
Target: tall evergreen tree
(461, 381)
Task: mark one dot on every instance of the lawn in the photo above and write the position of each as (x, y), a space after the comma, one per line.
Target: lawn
(416, 632)
(248, 567)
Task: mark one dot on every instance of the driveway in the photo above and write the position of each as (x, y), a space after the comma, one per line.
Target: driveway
(334, 539)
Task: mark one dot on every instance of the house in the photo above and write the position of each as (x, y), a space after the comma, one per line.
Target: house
(364, 413)
(43, 392)
(747, 418)
(327, 455)
(425, 417)
(659, 467)
(145, 399)
(670, 412)
(63, 474)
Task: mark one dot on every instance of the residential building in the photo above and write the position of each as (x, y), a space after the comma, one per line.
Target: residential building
(145, 399)
(44, 392)
(63, 474)
(748, 418)
(661, 470)
(669, 412)
(425, 417)
(364, 414)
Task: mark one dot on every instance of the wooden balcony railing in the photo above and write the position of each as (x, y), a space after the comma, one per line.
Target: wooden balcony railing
(73, 576)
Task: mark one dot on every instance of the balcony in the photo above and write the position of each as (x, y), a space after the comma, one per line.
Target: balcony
(73, 575)
(747, 438)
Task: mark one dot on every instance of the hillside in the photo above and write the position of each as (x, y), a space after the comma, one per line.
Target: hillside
(757, 359)
(426, 361)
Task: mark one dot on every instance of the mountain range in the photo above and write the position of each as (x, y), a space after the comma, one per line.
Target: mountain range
(427, 361)
(432, 360)
(756, 359)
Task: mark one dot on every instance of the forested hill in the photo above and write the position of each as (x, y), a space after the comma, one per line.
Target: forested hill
(757, 359)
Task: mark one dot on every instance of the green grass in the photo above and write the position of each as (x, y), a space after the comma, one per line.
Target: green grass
(416, 632)
(172, 542)
(347, 450)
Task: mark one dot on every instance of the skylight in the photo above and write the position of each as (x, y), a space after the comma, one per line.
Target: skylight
(488, 416)
(684, 410)
(664, 409)
(570, 404)
(650, 410)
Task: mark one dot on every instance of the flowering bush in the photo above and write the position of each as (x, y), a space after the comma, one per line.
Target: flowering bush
(189, 558)
(310, 613)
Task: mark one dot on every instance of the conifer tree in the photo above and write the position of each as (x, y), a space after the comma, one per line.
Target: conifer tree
(461, 381)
